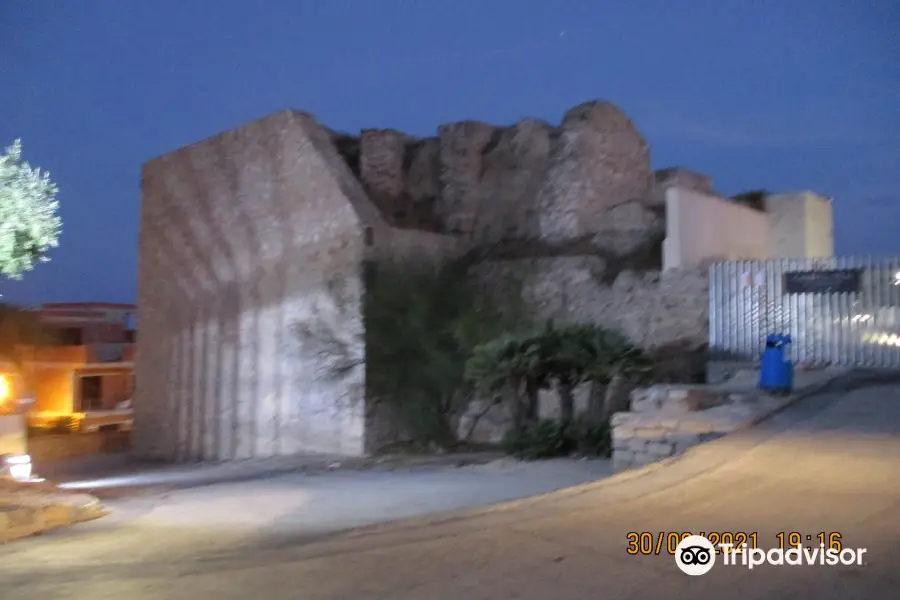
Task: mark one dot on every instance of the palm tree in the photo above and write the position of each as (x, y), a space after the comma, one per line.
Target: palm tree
(567, 355)
(538, 351)
(564, 360)
(614, 362)
(502, 365)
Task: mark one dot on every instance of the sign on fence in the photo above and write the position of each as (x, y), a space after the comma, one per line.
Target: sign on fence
(832, 281)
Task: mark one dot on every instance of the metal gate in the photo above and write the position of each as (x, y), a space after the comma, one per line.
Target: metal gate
(838, 311)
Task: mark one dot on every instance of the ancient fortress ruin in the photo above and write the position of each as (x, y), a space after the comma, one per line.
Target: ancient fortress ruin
(254, 230)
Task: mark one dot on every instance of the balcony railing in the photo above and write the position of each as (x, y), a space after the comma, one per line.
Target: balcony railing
(106, 353)
(60, 354)
(86, 354)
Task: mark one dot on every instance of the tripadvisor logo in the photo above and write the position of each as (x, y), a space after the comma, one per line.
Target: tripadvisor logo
(696, 555)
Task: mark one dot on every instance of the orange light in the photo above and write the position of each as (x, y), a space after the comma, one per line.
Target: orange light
(4, 388)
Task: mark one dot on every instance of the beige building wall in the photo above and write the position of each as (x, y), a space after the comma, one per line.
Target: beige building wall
(802, 225)
(701, 229)
(819, 226)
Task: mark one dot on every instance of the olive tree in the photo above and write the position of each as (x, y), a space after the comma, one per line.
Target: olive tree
(29, 224)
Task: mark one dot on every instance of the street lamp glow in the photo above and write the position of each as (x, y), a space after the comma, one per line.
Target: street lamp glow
(4, 389)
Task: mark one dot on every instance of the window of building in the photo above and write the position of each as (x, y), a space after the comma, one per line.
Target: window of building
(70, 336)
(91, 388)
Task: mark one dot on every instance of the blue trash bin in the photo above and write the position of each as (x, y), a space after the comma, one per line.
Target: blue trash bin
(776, 373)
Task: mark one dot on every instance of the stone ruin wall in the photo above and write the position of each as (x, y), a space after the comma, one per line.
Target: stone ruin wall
(574, 208)
(492, 184)
(251, 250)
(665, 313)
(228, 267)
(573, 211)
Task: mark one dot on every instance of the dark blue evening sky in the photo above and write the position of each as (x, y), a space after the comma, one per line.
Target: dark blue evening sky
(775, 94)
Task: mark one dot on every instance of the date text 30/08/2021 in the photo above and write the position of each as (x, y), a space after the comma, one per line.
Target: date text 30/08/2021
(650, 543)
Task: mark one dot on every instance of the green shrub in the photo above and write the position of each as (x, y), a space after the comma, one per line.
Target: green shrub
(509, 363)
(540, 440)
(422, 323)
(566, 354)
(592, 439)
(553, 439)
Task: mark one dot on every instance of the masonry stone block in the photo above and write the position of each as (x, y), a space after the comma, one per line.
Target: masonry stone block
(647, 399)
(382, 157)
(675, 399)
(660, 449)
(637, 444)
(644, 459)
(649, 433)
(620, 433)
(695, 425)
(603, 150)
(622, 446)
(677, 437)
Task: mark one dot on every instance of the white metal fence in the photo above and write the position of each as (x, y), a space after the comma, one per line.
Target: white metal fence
(840, 311)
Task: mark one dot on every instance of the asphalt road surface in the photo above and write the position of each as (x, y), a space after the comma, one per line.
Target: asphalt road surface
(829, 464)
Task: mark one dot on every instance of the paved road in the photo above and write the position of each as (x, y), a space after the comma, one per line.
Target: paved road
(829, 464)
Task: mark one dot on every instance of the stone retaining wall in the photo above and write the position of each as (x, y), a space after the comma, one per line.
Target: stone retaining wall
(30, 508)
(23, 521)
(666, 420)
(20, 522)
(641, 439)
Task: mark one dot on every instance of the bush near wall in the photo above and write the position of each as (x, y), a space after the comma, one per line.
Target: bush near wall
(422, 325)
(551, 439)
(517, 366)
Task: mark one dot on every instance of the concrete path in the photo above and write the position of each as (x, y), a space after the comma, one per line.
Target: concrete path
(119, 475)
(830, 464)
(291, 509)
